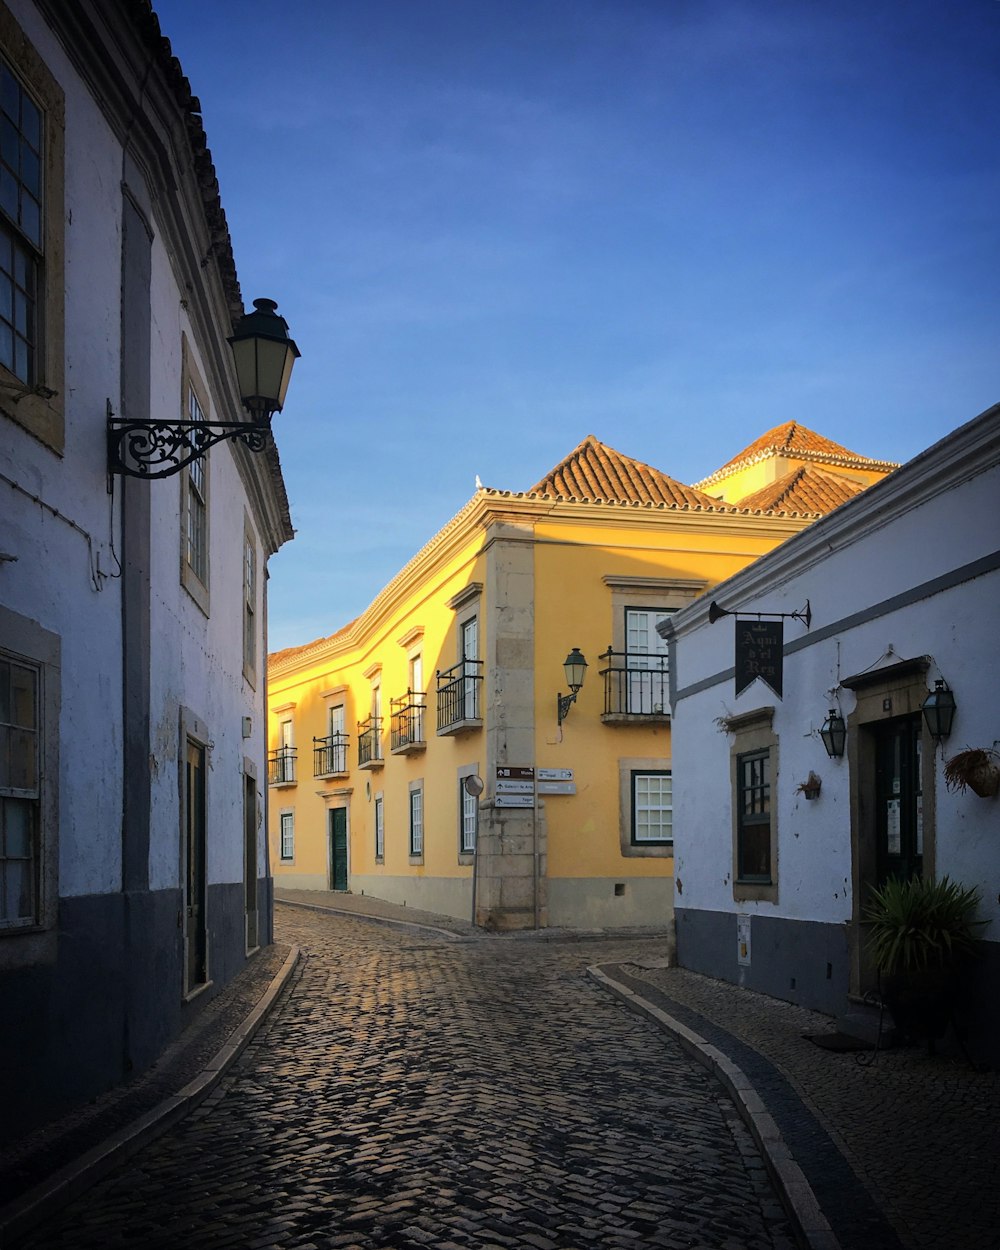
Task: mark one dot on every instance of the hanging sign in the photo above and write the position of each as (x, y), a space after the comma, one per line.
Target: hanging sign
(759, 653)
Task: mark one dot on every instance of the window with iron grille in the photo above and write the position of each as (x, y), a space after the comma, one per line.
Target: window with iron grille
(652, 808)
(19, 792)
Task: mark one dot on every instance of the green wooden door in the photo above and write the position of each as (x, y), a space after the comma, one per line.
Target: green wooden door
(338, 848)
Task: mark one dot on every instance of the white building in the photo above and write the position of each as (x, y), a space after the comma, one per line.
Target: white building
(903, 583)
(133, 860)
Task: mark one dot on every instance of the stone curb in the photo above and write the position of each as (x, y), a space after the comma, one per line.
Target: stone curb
(796, 1193)
(32, 1208)
(389, 921)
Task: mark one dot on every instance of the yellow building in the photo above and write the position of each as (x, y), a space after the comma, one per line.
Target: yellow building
(421, 755)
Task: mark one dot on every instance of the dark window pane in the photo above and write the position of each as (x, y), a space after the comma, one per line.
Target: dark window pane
(31, 122)
(31, 170)
(10, 92)
(6, 262)
(755, 852)
(17, 828)
(17, 892)
(20, 312)
(21, 362)
(6, 299)
(22, 269)
(31, 218)
(8, 193)
(6, 346)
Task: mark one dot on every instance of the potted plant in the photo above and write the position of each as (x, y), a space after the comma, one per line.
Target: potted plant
(975, 768)
(920, 934)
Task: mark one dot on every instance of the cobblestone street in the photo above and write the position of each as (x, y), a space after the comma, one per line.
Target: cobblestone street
(413, 1091)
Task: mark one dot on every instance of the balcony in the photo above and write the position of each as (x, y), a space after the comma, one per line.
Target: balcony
(330, 756)
(281, 767)
(636, 688)
(370, 743)
(459, 697)
(406, 730)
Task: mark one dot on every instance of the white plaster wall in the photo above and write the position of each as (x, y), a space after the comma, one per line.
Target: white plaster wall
(957, 628)
(51, 581)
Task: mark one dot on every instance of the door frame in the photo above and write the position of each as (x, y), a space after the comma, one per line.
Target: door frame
(884, 694)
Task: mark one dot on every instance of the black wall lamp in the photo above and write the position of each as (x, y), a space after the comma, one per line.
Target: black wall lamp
(833, 731)
(264, 356)
(939, 710)
(575, 668)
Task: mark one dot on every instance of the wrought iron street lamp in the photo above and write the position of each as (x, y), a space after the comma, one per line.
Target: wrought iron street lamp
(833, 731)
(264, 356)
(939, 710)
(575, 668)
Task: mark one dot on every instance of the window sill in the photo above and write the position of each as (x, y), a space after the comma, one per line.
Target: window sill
(755, 892)
(281, 785)
(344, 772)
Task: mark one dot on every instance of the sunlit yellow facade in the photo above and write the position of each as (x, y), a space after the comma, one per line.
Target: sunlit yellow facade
(368, 789)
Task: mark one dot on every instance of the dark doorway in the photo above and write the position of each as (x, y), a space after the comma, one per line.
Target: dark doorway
(194, 877)
(338, 848)
(899, 825)
(250, 860)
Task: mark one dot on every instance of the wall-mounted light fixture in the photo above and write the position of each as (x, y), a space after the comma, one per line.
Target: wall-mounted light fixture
(575, 668)
(264, 356)
(939, 710)
(833, 731)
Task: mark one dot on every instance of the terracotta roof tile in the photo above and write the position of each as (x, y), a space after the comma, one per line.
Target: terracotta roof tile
(290, 653)
(795, 441)
(804, 491)
(595, 471)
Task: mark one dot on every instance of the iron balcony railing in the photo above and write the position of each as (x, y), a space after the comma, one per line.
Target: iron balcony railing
(635, 685)
(406, 728)
(459, 694)
(281, 766)
(369, 741)
(330, 755)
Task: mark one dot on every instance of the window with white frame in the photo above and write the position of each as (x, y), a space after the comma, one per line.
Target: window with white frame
(652, 808)
(20, 793)
(379, 829)
(417, 820)
(287, 835)
(249, 605)
(197, 502)
(469, 819)
(646, 661)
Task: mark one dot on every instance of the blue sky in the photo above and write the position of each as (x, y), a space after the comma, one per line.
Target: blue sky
(497, 226)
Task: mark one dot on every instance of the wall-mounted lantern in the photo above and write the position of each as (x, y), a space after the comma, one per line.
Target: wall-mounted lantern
(939, 710)
(264, 356)
(575, 668)
(833, 731)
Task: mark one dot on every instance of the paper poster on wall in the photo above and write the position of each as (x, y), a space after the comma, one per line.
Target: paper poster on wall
(894, 844)
(743, 941)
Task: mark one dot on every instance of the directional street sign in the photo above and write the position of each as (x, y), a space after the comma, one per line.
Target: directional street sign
(515, 800)
(555, 774)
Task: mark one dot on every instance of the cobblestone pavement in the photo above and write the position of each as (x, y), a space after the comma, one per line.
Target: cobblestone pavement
(921, 1131)
(418, 1091)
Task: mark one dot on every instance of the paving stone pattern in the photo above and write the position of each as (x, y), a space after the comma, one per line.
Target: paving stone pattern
(413, 1091)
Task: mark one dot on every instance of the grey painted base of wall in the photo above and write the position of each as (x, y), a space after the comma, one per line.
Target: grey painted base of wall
(591, 902)
(800, 961)
(807, 963)
(112, 1000)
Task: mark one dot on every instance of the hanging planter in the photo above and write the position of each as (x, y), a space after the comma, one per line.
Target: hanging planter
(976, 769)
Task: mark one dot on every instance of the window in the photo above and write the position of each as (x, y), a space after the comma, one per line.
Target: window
(417, 821)
(197, 502)
(287, 835)
(646, 661)
(32, 231)
(470, 652)
(469, 809)
(249, 606)
(652, 808)
(20, 793)
(379, 829)
(754, 773)
(753, 814)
